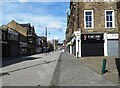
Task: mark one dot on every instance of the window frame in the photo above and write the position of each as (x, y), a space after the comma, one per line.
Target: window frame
(113, 19)
(92, 23)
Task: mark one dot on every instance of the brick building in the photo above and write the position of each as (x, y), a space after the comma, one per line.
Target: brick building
(92, 17)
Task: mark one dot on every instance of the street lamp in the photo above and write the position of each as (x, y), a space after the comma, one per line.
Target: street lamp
(46, 40)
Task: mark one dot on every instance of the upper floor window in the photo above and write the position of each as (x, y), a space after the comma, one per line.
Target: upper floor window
(109, 19)
(88, 19)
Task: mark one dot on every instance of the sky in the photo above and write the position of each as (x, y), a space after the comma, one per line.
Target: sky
(39, 14)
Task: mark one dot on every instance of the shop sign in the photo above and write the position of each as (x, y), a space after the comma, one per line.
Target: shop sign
(86, 37)
(112, 36)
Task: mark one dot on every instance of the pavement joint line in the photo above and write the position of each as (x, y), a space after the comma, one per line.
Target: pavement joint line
(8, 72)
(56, 74)
(101, 74)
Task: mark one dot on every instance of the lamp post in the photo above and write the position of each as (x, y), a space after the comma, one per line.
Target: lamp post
(46, 40)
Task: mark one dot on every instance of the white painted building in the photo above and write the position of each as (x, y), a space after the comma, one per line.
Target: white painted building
(89, 44)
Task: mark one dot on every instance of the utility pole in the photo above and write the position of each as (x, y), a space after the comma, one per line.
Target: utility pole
(54, 44)
(46, 40)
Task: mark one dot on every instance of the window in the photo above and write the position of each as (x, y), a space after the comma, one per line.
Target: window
(88, 19)
(109, 19)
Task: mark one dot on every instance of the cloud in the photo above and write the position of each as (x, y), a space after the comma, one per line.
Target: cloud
(35, 0)
(0, 13)
(54, 24)
(23, 0)
(39, 15)
(55, 37)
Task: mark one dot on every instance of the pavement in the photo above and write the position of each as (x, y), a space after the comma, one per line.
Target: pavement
(54, 69)
(70, 71)
(95, 63)
(32, 72)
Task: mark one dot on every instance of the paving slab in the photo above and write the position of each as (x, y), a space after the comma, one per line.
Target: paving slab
(32, 72)
(72, 72)
(95, 63)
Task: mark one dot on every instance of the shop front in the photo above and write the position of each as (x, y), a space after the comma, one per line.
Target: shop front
(23, 48)
(92, 44)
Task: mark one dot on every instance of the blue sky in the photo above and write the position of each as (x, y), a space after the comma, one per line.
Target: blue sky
(40, 14)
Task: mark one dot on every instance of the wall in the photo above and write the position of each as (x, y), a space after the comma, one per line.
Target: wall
(99, 15)
(118, 17)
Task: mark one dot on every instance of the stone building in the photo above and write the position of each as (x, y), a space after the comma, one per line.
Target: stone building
(10, 42)
(31, 38)
(38, 44)
(118, 9)
(55, 44)
(3, 41)
(91, 17)
(22, 36)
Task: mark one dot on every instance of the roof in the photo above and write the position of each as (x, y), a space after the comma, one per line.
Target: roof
(32, 28)
(3, 27)
(17, 27)
(25, 25)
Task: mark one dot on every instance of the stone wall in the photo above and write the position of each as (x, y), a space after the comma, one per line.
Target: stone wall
(99, 15)
(118, 17)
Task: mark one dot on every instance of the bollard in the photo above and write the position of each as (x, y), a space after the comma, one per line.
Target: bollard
(77, 54)
(104, 66)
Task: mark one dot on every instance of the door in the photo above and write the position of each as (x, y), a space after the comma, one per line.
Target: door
(92, 45)
(92, 49)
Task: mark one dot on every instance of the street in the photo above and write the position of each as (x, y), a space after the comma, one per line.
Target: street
(32, 72)
(53, 69)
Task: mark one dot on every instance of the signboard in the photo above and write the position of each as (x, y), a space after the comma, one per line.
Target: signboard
(112, 36)
(92, 37)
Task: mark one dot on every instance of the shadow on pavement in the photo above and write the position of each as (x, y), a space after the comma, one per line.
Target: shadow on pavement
(17, 60)
(8, 73)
